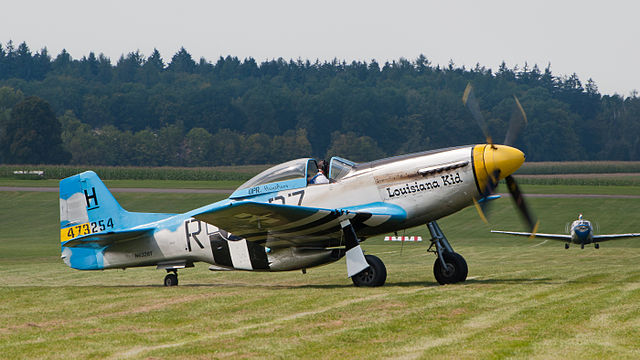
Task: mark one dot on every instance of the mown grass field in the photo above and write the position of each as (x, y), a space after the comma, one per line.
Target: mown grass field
(523, 298)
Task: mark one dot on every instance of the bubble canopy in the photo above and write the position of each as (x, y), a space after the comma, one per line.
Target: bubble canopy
(289, 175)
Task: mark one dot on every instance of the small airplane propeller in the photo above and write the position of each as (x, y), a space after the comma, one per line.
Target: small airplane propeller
(469, 100)
(517, 122)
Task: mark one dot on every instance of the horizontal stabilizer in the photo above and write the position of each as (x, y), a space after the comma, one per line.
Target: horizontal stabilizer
(98, 240)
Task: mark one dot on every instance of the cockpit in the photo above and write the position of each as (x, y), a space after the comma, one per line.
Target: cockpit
(292, 175)
(581, 225)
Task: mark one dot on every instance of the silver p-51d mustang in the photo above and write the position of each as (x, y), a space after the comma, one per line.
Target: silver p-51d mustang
(277, 221)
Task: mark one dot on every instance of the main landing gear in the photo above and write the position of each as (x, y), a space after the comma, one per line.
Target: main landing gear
(172, 278)
(450, 267)
(595, 245)
(374, 275)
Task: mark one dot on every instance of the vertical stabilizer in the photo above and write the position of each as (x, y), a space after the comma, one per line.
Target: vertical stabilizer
(85, 199)
(88, 210)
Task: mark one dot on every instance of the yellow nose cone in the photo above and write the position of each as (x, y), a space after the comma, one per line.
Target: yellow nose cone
(504, 158)
(487, 159)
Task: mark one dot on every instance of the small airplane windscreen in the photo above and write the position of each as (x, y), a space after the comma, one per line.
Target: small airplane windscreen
(339, 168)
(294, 169)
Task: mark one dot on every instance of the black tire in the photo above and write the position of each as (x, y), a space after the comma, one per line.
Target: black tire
(171, 280)
(456, 270)
(566, 246)
(375, 275)
(597, 246)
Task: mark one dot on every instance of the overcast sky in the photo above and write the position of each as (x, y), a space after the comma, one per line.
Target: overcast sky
(595, 39)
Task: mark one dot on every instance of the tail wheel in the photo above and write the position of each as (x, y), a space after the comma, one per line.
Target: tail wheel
(171, 280)
(454, 270)
(375, 275)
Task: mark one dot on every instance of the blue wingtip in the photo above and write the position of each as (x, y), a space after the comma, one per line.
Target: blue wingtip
(489, 198)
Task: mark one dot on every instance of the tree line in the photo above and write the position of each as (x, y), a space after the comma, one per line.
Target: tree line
(146, 111)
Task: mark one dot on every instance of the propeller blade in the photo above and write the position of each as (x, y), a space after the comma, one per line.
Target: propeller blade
(482, 206)
(517, 122)
(469, 100)
(518, 198)
(480, 211)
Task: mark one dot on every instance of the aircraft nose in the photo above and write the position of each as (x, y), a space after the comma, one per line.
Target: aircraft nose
(489, 158)
(507, 159)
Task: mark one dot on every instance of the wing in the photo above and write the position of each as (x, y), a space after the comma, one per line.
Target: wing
(284, 225)
(559, 237)
(601, 238)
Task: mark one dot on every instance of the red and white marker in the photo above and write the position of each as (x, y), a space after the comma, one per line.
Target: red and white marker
(403, 238)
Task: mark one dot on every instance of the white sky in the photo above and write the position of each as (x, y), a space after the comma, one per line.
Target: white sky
(595, 39)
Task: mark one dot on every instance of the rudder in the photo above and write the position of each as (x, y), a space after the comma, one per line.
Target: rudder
(84, 199)
(86, 207)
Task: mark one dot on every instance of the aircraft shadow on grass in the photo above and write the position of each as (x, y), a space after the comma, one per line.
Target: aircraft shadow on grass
(345, 286)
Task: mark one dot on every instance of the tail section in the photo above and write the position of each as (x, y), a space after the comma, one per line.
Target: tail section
(84, 199)
(91, 219)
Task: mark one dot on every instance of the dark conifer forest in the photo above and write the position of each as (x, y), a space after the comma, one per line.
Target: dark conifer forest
(149, 111)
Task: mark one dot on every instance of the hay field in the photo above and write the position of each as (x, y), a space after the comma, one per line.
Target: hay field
(523, 298)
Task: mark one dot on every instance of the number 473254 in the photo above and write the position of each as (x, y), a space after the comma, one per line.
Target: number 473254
(86, 229)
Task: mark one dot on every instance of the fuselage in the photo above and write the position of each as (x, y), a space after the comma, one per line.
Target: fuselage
(397, 193)
(581, 232)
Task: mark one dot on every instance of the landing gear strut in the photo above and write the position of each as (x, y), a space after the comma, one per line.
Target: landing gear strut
(364, 270)
(172, 278)
(450, 267)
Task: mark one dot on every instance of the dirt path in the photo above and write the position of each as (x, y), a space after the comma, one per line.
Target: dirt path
(124, 190)
(577, 176)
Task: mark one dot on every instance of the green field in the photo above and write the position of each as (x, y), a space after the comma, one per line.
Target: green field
(523, 299)
(579, 167)
(157, 184)
(237, 173)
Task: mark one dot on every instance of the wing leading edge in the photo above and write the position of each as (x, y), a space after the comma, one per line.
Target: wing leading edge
(600, 238)
(259, 222)
(559, 237)
(563, 237)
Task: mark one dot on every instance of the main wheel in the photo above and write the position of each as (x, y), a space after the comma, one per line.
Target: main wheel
(455, 269)
(596, 245)
(375, 275)
(171, 280)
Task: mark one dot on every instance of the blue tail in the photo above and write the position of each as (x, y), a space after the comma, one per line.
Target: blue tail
(91, 219)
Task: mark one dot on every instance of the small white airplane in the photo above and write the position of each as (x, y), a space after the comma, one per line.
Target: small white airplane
(580, 232)
(279, 221)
